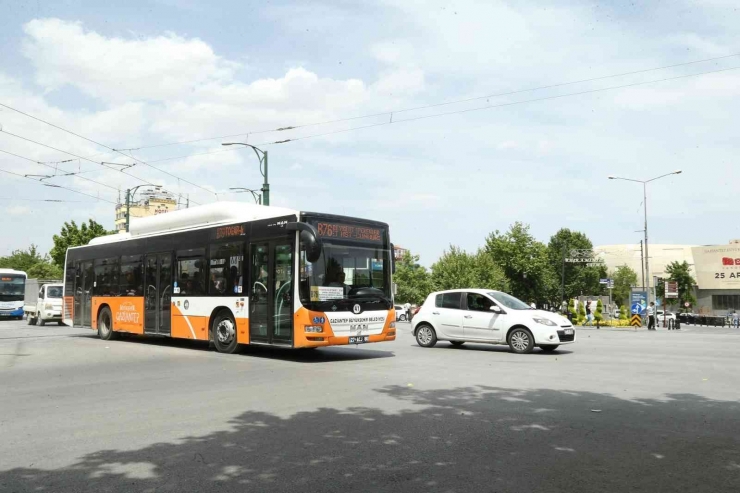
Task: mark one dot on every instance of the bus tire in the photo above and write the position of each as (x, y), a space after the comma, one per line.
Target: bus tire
(105, 324)
(223, 332)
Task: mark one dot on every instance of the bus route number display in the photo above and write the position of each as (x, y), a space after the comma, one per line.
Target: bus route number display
(349, 232)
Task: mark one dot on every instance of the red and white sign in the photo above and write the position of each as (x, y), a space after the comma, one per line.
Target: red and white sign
(671, 289)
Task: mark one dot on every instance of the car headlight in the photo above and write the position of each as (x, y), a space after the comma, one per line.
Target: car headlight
(313, 328)
(545, 321)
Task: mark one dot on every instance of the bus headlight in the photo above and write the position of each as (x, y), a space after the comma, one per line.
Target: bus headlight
(313, 328)
(392, 325)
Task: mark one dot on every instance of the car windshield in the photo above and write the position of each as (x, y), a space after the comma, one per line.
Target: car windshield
(509, 301)
(54, 292)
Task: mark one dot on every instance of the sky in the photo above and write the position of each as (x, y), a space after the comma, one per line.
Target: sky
(461, 135)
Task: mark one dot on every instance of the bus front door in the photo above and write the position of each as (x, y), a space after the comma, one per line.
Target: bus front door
(158, 296)
(84, 279)
(271, 291)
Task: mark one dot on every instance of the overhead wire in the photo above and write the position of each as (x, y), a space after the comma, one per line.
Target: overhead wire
(47, 200)
(416, 108)
(56, 186)
(101, 145)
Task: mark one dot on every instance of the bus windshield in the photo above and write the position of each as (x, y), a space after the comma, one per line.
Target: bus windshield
(346, 271)
(12, 287)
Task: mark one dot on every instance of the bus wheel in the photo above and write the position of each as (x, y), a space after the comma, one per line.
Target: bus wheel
(105, 325)
(224, 333)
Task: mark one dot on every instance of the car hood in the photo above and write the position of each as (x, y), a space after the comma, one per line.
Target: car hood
(554, 317)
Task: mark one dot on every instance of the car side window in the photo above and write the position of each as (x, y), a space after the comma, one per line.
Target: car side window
(478, 302)
(438, 300)
(451, 300)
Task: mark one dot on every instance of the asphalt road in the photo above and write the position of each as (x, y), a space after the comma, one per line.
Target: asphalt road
(617, 411)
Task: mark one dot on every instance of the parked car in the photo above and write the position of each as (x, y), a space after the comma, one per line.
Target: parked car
(400, 313)
(482, 315)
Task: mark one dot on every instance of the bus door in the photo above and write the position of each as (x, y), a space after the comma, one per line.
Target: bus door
(271, 291)
(158, 296)
(84, 279)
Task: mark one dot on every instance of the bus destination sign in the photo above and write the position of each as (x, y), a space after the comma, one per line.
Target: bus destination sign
(349, 232)
(229, 231)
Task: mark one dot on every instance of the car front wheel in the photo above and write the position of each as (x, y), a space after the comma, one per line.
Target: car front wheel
(521, 341)
(425, 336)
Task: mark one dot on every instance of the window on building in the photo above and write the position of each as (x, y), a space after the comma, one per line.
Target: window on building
(226, 269)
(726, 302)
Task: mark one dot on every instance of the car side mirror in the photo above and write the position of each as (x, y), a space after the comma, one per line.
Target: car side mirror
(496, 309)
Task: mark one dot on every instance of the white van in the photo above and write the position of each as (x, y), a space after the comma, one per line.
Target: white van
(483, 315)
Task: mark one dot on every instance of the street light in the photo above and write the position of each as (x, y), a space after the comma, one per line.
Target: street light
(257, 197)
(263, 159)
(644, 201)
(130, 195)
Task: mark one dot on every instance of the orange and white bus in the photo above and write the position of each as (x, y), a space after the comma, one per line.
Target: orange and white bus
(235, 273)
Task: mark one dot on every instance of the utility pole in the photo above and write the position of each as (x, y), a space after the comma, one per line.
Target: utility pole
(263, 169)
(128, 206)
(562, 279)
(647, 256)
(642, 266)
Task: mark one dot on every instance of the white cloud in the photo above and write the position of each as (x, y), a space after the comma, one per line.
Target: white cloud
(18, 210)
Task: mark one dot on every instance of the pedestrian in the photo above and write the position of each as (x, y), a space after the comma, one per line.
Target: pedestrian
(589, 315)
(651, 316)
(532, 305)
(736, 319)
(407, 309)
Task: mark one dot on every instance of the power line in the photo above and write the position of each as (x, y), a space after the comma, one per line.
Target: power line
(57, 186)
(66, 173)
(404, 110)
(47, 200)
(102, 145)
(469, 110)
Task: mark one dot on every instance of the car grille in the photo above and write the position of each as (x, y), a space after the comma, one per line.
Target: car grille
(566, 338)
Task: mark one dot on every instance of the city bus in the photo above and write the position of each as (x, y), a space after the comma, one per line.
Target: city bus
(12, 291)
(236, 274)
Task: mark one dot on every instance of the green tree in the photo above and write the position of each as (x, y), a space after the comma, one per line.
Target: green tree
(413, 280)
(72, 235)
(598, 314)
(35, 265)
(680, 273)
(457, 269)
(572, 308)
(524, 262)
(581, 313)
(624, 278)
(580, 279)
(623, 313)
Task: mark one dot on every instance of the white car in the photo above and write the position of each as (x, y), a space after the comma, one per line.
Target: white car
(482, 315)
(400, 313)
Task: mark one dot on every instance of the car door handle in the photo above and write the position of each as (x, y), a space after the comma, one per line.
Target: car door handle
(468, 316)
(435, 313)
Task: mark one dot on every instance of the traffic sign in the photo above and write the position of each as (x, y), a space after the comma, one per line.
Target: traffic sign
(687, 304)
(636, 321)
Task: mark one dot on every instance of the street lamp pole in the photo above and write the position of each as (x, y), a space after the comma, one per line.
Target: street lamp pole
(644, 202)
(263, 161)
(129, 196)
(257, 197)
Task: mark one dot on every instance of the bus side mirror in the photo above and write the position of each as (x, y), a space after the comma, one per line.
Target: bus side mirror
(309, 237)
(393, 259)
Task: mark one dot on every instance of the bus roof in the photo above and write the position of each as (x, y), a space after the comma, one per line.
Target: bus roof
(12, 271)
(203, 216)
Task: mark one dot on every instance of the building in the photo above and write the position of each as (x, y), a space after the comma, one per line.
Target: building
(152, 201)
(399, 252)
(716, 269)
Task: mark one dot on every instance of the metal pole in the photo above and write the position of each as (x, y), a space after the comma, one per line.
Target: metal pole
(562, 282)
(647, 255)
(642, 265)
(266, 185)
(128, 206)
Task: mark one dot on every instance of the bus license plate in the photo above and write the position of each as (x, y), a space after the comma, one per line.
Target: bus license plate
(568, 332)
(359, 339)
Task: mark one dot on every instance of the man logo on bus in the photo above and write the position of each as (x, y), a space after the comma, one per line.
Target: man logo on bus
(730, 261)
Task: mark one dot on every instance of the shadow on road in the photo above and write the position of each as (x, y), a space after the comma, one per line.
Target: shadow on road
(464, 439)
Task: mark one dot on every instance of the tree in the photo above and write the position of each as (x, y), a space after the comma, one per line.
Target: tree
(72, 235)
(32, 263)
(572, 308)
(680, 273)
(580, 279)
(581, 313)
(413, 280)
(457, 269)
(624, 278)
(623, 313)
(524, 262)
(598, 314)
